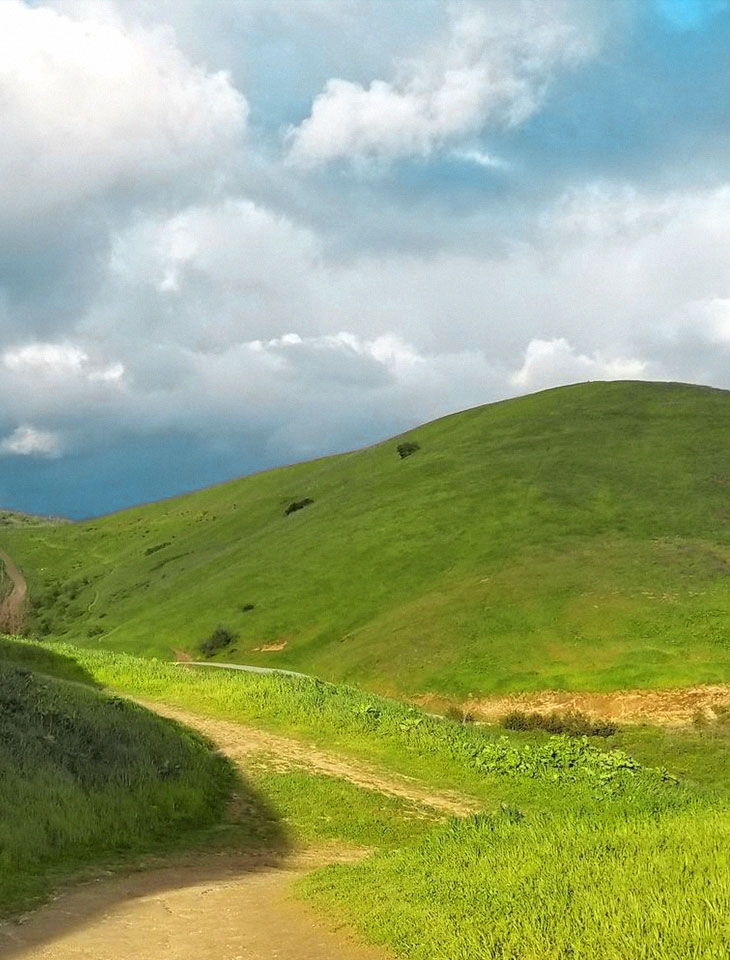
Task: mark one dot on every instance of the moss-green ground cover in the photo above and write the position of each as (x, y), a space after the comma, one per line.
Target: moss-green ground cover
(578, 538)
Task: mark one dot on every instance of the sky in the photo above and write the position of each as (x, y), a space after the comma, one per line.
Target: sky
(241, 233)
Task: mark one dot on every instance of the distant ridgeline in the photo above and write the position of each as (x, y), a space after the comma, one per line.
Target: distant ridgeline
(577, 538)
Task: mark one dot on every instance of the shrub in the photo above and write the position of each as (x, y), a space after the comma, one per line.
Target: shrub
(220, 638)
(574, 723)
(459, 714)
(407, 448)
(297, 505)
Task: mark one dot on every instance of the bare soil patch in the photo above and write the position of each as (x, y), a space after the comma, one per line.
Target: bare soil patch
(210, 909)
(662, 707)
(13, 609)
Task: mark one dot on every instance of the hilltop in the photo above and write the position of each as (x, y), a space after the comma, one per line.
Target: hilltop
(578, 538)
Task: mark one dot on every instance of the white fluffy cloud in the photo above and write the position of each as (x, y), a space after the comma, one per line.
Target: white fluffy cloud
(26, 441)
(494, 69)
(89, 101)
(58, 361)
(549, 363)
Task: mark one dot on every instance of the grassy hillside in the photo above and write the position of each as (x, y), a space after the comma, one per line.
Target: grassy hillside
(85, 777)
(576, 538)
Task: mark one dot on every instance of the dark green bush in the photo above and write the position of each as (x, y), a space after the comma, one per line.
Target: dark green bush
(297, 505)
(407, 448)
(574, 723)
(220, 638)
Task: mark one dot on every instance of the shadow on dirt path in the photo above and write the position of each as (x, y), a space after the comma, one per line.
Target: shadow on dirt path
(212, 905)
(213, 908)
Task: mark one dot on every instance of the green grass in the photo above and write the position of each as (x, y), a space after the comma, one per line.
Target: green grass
(578, 538)
(554, 888)
(581, 853)
(86, 779)
(315, 808)
(441, 752)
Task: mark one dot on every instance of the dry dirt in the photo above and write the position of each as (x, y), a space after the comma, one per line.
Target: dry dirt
(239, 742)
(13, 607)
(662, 707)
(207, 910)
(213, 906)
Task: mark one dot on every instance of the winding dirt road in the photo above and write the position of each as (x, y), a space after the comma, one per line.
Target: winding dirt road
(216, 906)
(13, 607)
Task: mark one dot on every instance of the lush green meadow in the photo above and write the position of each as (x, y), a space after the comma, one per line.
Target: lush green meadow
(582, 851)
(578, 539)
(599, 886)
(86, 778)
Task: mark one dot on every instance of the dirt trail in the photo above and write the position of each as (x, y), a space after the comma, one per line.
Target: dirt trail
(663, 707)
(13, 607)
(230, 910)
(215, 906)
(239, 742)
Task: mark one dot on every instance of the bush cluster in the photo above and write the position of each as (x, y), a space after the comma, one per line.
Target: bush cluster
(407, 448)
(574, 723)
(220, 638)
(297, 505)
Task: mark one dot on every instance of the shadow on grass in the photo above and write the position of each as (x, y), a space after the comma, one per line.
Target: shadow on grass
(25, 653)
(248, 839)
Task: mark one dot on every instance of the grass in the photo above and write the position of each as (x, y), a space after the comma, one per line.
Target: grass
(86, 778)
(581, 853)
(577, 539)
(554, 888)
(442, 752)
(315, 809)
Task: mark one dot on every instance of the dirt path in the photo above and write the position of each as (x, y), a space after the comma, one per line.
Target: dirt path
(230, 910)
(239, 742)
(215, 906)
(13, 607)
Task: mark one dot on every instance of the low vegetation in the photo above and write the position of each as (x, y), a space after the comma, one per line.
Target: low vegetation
(577, 539)
(219, 639)
(573, 722)
(582, 851)
(88, 777)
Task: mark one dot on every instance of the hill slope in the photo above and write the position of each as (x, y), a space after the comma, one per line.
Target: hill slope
(576, 538)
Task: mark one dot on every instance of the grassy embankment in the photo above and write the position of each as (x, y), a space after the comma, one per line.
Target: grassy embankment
(87, 779)
(577, 539)
(580, 852)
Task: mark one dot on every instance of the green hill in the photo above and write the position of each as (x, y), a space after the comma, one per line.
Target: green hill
(578, 538)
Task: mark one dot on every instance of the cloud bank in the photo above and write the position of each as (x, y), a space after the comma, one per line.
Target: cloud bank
(236, 235)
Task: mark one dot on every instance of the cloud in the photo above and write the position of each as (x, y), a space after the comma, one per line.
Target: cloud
(90, 102)
(549, 363)
(480, 158)
(58, 361)
(493, 70)
(26, 441)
